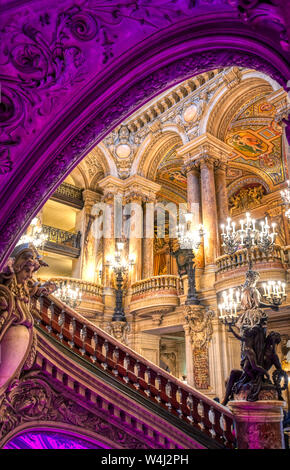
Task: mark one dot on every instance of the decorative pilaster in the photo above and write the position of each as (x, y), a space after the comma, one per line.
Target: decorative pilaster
(199, 329)
(119, 330)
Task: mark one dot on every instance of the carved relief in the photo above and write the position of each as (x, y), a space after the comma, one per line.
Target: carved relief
(119, 330)
(199, 321)
(33, 398)
(246, 198)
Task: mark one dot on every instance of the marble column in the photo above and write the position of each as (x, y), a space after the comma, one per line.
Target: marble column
(193, 193)
(148, 239)
(221, 198)
(135, 237)
(221, 192)
(138, 191)
(258, 424)
(108, 241)
(209, 209)
(85, 266)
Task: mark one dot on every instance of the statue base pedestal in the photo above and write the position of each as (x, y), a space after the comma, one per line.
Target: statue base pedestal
(258, 424)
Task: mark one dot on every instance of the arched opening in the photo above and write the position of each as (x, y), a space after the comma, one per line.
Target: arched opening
(191, 118)
(167, 59)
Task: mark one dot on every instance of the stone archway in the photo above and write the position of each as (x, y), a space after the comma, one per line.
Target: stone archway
(197, 43)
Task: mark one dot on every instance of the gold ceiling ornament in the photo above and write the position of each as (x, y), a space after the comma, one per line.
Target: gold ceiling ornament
(96, 163)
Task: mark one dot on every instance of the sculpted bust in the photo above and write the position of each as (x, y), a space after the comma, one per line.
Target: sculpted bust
(17, 289)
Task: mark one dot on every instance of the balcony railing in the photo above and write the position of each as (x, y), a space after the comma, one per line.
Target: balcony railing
(157, 284)
(134, 371)
(239, 259)
(62, 242)
(87, 288)
(161, 292)
(69, 194)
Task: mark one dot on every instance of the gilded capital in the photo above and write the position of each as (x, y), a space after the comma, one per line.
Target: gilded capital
(90, 198)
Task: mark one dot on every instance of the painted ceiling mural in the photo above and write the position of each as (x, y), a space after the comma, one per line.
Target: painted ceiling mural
(256, 139)
(171, 177)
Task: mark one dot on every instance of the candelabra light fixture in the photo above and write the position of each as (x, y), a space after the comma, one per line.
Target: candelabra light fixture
(274, 292)
(189, 241)
(120, 266)
(68, 294)
(229, 306)
(249, 236)
(285, 194)
(34, 234)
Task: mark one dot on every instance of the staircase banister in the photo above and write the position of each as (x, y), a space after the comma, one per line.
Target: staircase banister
(137, 357)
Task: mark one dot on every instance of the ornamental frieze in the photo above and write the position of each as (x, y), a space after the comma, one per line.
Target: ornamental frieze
(33, 398)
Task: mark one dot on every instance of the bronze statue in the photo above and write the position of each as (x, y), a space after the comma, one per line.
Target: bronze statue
(257, 357)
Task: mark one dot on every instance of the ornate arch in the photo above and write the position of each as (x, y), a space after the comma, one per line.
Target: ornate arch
(97, 164)
(256, 172)
(79, 177)
(238, 184)
(230, 102)
(171, 55)
(154, 157)
(81, 436)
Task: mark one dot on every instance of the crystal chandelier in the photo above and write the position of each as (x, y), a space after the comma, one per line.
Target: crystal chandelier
(34, 234)
(69, 295)
(189, 239)
(285, 194)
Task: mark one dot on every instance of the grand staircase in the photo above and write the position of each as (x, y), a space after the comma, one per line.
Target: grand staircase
(85, 383)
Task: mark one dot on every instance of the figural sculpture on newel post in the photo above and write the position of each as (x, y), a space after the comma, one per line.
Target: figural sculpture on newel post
(18, 291)
(255, 399)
